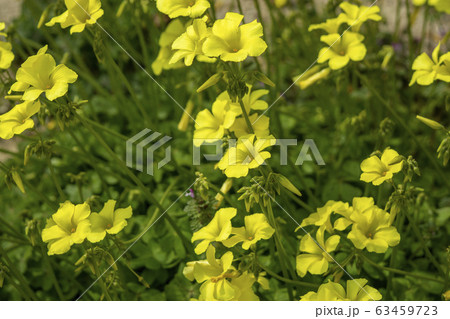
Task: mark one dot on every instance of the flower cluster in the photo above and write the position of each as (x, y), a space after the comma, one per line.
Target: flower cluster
(226, 38)
(38, 74)
(341, 47)
(427, 70)
(6, 54)
(72, 224)
(219, 278)
(79, 13)
(371, 229)
(346, 47)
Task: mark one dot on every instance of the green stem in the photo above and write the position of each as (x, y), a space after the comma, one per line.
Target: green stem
(102, 282)
(55, 180)
(90, 161)
(105, 129)
(226, 196)
(12, 231)
(247, 119)
(281, 253)
(130, 90)
(398, 271)
(52, 273)
(286, 280)
(300, 202)
(399, 225)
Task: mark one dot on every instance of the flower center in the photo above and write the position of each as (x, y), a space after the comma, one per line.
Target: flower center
(108, 226)
(235, 50)
(250, 238)
(191, 3)
(342, 52)
(73, 230)
(222, 276)
(370, 235)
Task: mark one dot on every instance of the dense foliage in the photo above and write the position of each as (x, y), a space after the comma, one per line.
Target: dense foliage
(357, 208)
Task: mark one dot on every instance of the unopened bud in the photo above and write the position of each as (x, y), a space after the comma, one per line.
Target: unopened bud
(226, 186)
(433, 124)
(186, 117)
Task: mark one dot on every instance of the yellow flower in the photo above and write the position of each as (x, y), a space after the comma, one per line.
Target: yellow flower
(108, 221)
(69, 225)
(446, 295)
(256, 228)
(427, 69)
(311, 76)
(371, 227)
(174, 29)
(210, 127)
(184, 8)
(79, 13)
(2, 27)
(220, 280)
(243, 287)
(316, 259)
(440, 5)
(214, 274)
(280, 3)
(218, 229)
(252, 100)
(189, 45)
(342, 49)
(260, 126)
(356, 16)
(443, 72)
(330, 25)
(224, 189)
(323, 216)
(6, 55)
(232, 42)
(333, 291)
(39, 74)
(376, 170)
(247, 154)
(18, 119)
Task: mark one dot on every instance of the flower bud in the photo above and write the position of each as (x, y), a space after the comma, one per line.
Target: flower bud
(18, 180)
(32, 232)
(210, 82)
(433, 124)
(186, 117)
(311, 76)
(226, 186)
